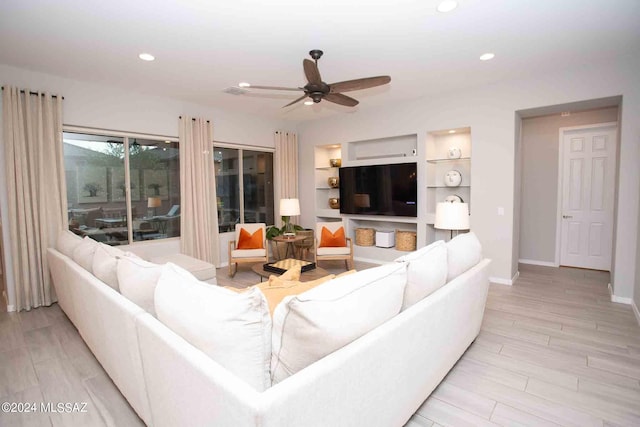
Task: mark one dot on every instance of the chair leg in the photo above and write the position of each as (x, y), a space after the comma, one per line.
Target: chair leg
(231, 269)
(346, 264)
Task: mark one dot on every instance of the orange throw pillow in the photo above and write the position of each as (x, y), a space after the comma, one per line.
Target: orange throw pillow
(332, 240)
(250, 241)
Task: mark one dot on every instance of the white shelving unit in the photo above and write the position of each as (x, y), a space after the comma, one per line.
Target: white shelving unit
(323, 171)
(438, 164)
(388, 150)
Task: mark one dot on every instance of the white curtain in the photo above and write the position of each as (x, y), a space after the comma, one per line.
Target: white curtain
(286, 168)
(36, 191)
(199, 219)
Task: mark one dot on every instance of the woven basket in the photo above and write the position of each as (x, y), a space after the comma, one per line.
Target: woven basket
(405, 240)
(365, 236)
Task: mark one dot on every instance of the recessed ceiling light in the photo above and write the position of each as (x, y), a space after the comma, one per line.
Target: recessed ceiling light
(447, 6)
(146, 57)
(244, 84)
(308, 102)
(452, 131)
(487, 56)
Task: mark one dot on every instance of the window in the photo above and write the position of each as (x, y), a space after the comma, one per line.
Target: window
(122, 188)
(247, 196)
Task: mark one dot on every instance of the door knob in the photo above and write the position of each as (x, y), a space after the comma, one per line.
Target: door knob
(566, 216)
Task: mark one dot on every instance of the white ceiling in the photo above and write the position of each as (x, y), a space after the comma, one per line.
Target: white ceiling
(205, 46)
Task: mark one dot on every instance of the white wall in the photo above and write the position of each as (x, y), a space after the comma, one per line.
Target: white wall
(103, 107)
(540, 151)
(490, 112)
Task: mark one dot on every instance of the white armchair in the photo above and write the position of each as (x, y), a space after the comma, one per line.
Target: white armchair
(248, 246)
(336, 246)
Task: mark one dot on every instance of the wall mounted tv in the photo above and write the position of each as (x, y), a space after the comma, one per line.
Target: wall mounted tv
(379, 190)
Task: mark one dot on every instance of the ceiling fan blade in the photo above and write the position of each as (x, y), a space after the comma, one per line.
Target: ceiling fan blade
(338, 98)
(311, 71)
(297, 89)
(358, 84)
(297, 100)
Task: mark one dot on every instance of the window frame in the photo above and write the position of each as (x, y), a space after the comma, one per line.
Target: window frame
(126, 136)
(241, 148)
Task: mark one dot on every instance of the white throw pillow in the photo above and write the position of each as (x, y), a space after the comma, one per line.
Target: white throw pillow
(83, 253)
(463, 252)
(105, 264)
(67, 242)
(313, 324)
(137, 280)
(427, 272)
(234, 329)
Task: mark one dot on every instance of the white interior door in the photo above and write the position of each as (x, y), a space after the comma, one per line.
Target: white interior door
(588, 174)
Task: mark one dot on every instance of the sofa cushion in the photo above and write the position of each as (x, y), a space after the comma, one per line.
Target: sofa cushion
(202, 270)
(426, 273)
(137, 280)
(318, 322)
(105, 264)
(234, 329)
(83, 253)
(463, 252)
(67, 242)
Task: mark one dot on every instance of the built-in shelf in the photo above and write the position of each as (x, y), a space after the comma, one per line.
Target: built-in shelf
(448, 160)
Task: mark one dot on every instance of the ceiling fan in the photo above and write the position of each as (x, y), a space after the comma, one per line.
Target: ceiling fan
(318, 90)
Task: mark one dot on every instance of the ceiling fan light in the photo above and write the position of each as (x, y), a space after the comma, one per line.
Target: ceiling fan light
(146, 57)
(447, 6)
(308, 102)
(487, 56)
(244, 84)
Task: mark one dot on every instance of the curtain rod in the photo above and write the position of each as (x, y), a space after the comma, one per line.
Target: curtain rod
(37, 93)
(193, 119)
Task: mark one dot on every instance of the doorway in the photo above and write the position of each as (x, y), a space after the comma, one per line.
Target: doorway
(587, 185)
(540, 171)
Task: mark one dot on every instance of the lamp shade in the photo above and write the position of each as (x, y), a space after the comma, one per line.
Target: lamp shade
(154, 202)
(452, 216)
(289, 207)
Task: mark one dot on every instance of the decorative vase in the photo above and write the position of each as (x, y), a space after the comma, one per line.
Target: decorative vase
(333, 181)
(335, 163)
(453, 178)
(334, 203)
(454, 153)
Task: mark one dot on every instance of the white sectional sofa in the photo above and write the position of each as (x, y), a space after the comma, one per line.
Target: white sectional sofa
(432, 313)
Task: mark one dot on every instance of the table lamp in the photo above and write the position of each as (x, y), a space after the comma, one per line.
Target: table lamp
(152, 204)
(452, 216)
(289, 208)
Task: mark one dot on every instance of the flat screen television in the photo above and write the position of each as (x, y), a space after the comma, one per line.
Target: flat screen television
(379, 190)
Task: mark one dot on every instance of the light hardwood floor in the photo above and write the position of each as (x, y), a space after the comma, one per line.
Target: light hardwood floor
(553, 350)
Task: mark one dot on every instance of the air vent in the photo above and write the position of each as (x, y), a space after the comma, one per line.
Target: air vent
(234, 90)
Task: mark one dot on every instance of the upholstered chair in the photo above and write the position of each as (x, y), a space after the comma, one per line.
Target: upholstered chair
(332, 243)
(249, 246)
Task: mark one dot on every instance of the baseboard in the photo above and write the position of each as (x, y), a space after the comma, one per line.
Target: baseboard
(621, 300)
(536, 262)
(501, 281)
(635, 311)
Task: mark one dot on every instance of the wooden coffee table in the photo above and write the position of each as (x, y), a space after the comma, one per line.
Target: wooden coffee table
(307, 276)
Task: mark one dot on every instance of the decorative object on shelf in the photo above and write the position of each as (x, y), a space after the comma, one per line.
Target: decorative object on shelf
(454, 153)
(289, 208)
(452, 216)
(453, 178)
(365, 236)
(454, 198)
(334, 181)
(385, 238)
(406, 240)
(335, 163)
(334, 203)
